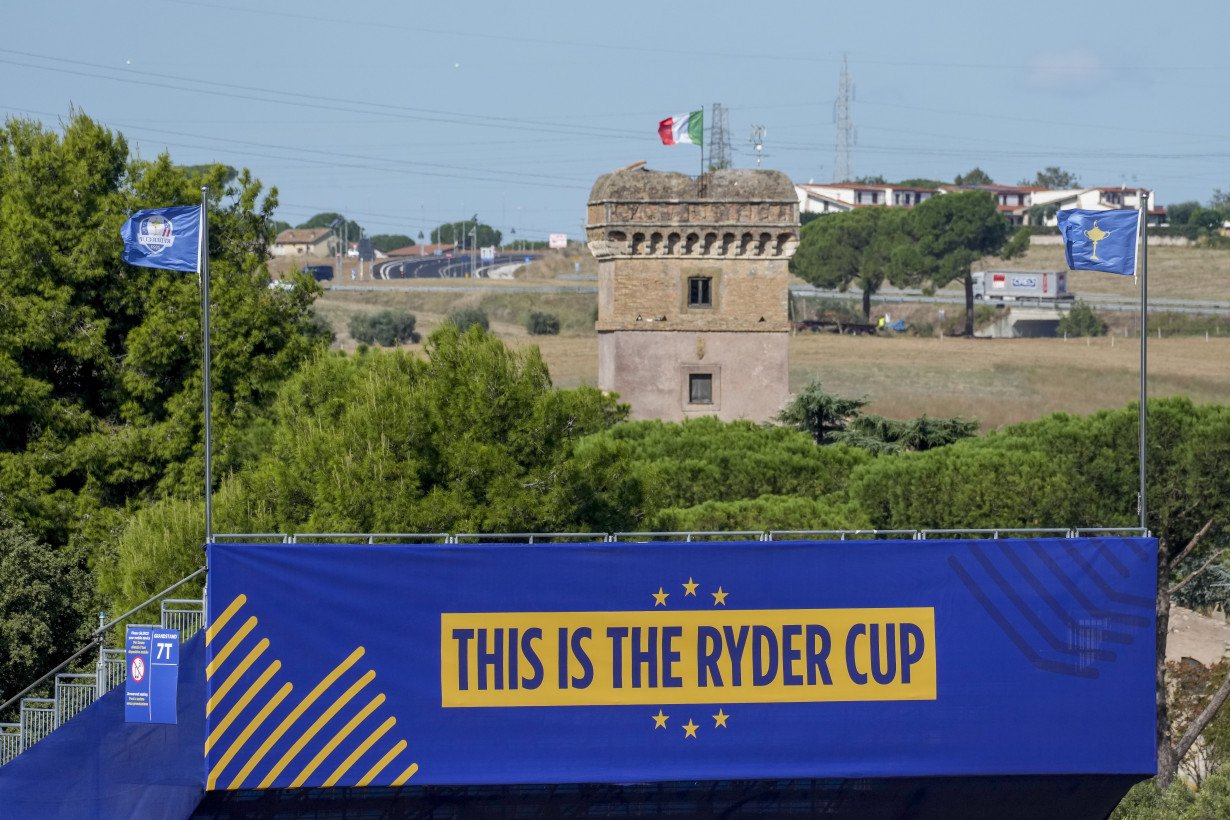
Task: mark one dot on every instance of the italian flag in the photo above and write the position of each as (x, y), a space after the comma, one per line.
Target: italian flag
(683, 128)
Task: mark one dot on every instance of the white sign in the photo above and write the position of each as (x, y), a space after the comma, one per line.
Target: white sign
(557, 240)
(487, 254)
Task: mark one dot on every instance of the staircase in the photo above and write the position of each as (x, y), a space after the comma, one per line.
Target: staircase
(68, 689)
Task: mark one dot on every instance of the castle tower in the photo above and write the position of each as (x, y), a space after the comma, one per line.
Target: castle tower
(693, 289)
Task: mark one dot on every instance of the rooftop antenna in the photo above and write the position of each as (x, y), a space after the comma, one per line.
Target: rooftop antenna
(843, 167)
(757, 141)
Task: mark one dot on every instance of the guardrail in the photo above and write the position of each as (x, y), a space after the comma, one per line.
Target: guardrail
(62, 694)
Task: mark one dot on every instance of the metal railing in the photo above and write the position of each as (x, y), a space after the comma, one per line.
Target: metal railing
(62, 694)
(680, 535)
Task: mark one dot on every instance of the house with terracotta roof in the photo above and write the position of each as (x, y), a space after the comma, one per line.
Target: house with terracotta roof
(1098, 199)
(305, 242)
(1013, 201)
(837, 197)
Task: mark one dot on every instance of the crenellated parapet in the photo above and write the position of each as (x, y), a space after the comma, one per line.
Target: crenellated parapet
(725, 214)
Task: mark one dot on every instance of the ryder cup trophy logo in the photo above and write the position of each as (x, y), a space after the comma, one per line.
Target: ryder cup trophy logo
(155, 233)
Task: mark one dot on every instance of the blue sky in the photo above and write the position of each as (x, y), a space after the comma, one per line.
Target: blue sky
(406, 115)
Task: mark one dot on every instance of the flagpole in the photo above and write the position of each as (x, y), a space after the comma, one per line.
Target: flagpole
(203, 269)
(1142, 203)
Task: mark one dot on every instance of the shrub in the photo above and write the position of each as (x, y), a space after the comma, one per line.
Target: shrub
(1081, 321)
(319, 326)
(465, 318)
(543, 324)
(386, 328)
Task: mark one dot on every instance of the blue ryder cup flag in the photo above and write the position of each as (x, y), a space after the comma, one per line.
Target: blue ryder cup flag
(166, 238)
(1100, 240)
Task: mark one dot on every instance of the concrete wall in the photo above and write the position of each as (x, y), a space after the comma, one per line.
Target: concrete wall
(650, 369)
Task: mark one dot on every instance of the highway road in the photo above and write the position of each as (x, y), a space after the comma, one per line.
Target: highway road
(1114, 304)
(442, 267)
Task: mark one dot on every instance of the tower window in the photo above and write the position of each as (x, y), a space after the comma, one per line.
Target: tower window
(700, 388)
(700, 293)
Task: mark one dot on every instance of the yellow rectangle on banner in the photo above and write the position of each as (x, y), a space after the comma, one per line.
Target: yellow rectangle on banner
(648, 657)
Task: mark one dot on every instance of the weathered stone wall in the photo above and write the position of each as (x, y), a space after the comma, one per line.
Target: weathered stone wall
(655, 235)
(649, 370)
(747, 295)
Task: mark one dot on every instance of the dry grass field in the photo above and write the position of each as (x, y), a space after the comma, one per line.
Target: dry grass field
(997, 382)
(1004, 381)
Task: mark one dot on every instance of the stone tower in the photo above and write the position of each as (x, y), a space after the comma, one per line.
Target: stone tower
(692, 290)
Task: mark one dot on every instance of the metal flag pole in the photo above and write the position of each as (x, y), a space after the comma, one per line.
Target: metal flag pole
(1143, 199)
(702, 141)
(203, 268)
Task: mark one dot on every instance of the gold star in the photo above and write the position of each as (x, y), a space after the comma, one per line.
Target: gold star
(659, 720)
(719, 597)
(689, 729)
(690, 587)
(720, 719)
(659, 597)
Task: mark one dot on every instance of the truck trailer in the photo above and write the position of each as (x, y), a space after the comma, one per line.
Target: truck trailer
(1017, 285)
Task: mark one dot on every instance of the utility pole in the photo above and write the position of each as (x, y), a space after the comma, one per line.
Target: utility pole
(843, 168)
(719, 139)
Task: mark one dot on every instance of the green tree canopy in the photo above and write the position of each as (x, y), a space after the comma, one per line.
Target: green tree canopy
(385, 242)
(45, 599)
(866, 245)
(462, 233)
(470, 437)
(100, 385)
(972, 177)
(954, 231)
(1055, 178)
(822, 415)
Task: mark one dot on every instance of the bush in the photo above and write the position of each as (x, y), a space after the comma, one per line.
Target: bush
(465, 318)
(1081, 321)
(543, 324)
(319, 326)
(386, 328)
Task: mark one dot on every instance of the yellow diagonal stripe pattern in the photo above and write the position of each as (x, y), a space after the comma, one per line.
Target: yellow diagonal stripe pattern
(253, 690)
(311, 731)
(247, 733)
(337, 739)
(406, 775)
(234, 677)
(222, 619)
(361, 750)
(295, 714)
(235, 640)
(381, 763)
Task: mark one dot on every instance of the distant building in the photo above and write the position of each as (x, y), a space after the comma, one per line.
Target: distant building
(1013, 201)
(305, 242)
(835, 197)
(692, 291)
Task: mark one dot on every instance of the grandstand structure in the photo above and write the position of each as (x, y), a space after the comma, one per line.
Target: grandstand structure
(62, 724)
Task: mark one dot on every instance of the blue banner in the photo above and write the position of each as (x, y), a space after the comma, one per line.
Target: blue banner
(354, 665)
(167, 238)
(152, 658)
(1100, 240)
